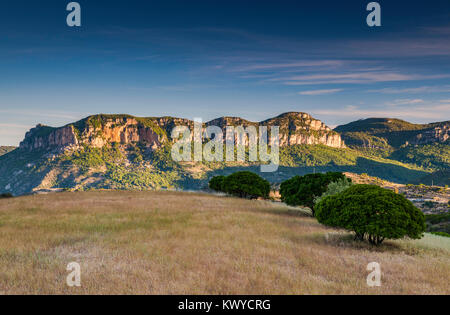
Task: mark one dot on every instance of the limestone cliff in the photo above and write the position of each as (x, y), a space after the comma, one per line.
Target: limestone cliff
(99, 130)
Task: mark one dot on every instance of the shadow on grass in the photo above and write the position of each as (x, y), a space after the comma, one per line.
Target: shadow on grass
(346, 240)
(292, 212)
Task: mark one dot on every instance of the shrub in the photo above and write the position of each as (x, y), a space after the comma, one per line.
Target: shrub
(6, 195)
(441, 234)
(373, 213)
(216, 183)
(246, 185)
(301, 190)
(334, 188)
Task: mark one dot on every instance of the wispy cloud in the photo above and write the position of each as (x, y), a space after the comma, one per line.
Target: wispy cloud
(14, 126)
(47, 114)
(428, 111)
(320, 92)
(420, 89)
(298, 64)
(355, 78)
(400, 102)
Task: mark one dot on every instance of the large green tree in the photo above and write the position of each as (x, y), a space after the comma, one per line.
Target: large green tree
(216, 183)
(246, 185)
(302, 190)
(373, 213)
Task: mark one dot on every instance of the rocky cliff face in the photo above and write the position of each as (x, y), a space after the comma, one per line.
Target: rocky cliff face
(93, 133)
(439, 133)
(302, 128)
(99, 130)
(43, 137)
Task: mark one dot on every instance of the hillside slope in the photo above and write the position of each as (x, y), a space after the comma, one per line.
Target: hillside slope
(424, 145)
(6, 149)
(388, 132)
(126, 152)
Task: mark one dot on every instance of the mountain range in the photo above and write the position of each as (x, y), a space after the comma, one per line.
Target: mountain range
(127, 152)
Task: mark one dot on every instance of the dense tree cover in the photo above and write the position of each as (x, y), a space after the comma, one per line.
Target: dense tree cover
(242, 184)
(438, 222)
(301, 190)
(334, 188)
(394, 132)
(433, 156)
(373, 213)
(216, 183)
(439, 178)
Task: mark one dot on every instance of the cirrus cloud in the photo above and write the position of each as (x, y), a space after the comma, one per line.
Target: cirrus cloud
(320, 92)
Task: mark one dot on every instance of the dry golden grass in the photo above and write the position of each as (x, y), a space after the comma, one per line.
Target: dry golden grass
(183, 243)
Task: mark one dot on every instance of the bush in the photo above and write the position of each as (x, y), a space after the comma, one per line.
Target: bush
(373, 213)
(246, 185)
(302, 190)
(216, 183)
(444, 234)
(6, 195)
(334, 188)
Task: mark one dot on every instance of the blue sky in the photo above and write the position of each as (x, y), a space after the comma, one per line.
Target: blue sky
(253, 59)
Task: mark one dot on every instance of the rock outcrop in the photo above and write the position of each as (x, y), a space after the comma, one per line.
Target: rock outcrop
(99, 130)
(43, 137)
(440, 133)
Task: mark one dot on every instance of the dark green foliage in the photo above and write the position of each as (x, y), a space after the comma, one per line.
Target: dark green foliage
(438, 222)
(216, 183)
(394, 132)
(432, 156)
(6, 195)
(246, 185)
(90, 157)
(302, 190)
(324, 158)
(437, 218)
(373, 213)
(334, 188)
(439, 178)
(441, 234)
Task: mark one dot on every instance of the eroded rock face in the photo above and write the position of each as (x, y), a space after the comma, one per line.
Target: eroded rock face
(114, 131)
(98, 131)
(121, 131)
(42, 137)
(437, 134)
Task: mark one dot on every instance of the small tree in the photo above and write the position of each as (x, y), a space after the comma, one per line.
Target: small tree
(334, 188)
(216, 183)
(302, 190)
(246, 185)
(373, 213)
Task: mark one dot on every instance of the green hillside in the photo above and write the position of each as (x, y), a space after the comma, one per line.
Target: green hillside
(385, 133)
(424, 145)
(132, 167)
(374, 147)
(432, 156)
(438, 178)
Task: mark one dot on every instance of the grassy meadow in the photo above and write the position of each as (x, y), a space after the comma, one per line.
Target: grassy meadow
(187, 243)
